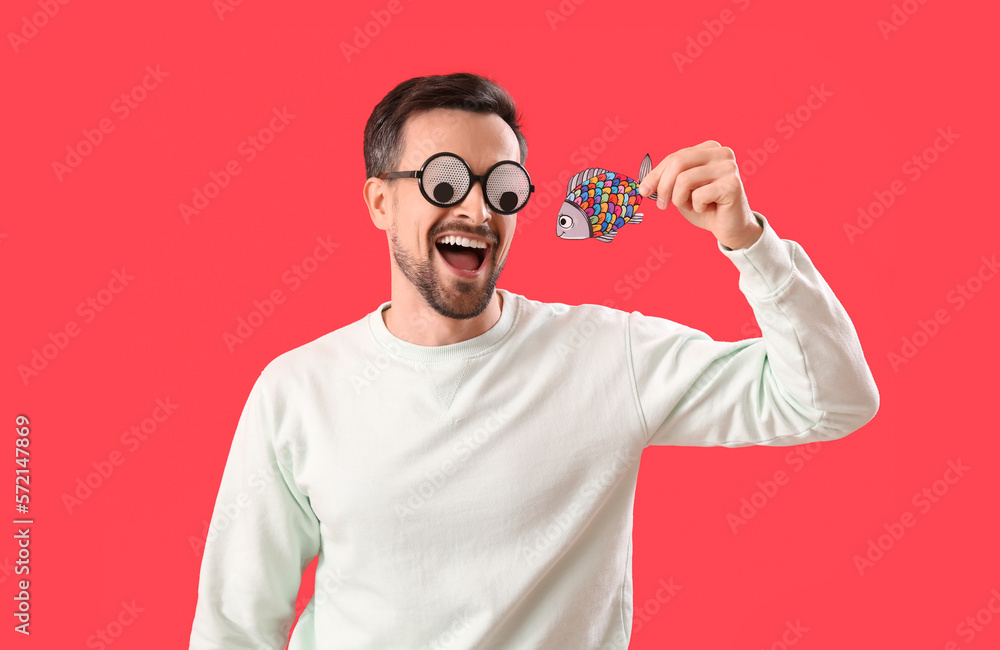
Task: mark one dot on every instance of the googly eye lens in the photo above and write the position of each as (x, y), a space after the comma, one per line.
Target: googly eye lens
(443, 192)
(507, 187)
(446, 180)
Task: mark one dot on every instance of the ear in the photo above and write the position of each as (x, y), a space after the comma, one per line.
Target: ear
(378, 198)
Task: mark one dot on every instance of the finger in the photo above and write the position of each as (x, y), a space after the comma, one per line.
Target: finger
(691, 179)
(686, 159)
(682, 159)
(719, 192)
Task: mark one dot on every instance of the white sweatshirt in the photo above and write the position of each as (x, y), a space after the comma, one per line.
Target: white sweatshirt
(479, 494)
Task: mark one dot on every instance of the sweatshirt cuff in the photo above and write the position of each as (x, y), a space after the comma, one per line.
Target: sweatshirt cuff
(766, 264)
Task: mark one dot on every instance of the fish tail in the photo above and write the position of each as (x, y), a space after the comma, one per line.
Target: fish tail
(644, 168)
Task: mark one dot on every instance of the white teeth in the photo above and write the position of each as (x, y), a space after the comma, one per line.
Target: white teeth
(461, 241)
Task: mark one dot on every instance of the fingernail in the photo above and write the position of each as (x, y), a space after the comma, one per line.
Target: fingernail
(660, 204)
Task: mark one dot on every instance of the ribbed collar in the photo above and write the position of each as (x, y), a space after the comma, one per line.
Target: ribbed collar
(461, 350)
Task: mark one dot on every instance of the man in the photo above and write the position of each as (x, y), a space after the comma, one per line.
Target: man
(464, 459)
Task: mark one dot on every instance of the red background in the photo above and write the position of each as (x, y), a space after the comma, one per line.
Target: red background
(162, 336)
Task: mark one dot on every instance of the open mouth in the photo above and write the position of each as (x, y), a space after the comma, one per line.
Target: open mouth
(468, 259)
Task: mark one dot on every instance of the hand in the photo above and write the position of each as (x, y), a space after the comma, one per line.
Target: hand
(704, 183)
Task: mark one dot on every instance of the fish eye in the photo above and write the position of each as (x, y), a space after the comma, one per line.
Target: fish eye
(565, 221)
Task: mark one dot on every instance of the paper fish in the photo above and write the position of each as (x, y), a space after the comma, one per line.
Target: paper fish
(599, 202)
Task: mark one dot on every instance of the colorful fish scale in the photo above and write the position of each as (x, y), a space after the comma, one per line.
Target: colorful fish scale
(608, 200)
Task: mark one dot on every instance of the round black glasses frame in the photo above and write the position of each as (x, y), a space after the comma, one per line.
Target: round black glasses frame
(418, 174)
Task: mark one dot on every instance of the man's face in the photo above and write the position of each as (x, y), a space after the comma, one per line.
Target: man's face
(481, 140)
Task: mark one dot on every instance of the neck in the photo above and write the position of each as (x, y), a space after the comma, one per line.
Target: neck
(411, 319)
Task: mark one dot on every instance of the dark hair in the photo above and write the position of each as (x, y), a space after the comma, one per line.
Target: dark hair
(461, 90)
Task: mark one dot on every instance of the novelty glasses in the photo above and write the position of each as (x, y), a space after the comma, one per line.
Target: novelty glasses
(445, 180)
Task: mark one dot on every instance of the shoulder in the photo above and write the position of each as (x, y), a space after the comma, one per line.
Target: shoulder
(536, 316)
(592, 321)
(315, 362)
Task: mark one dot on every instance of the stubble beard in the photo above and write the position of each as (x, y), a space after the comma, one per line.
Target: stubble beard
(452, 297)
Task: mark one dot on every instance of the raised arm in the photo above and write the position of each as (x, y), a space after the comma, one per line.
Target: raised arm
(805, 380)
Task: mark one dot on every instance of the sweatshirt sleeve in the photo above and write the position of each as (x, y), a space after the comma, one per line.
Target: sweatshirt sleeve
(262, 535)
(805, 380)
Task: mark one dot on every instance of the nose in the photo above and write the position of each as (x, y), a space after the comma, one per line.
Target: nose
(474, 204)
